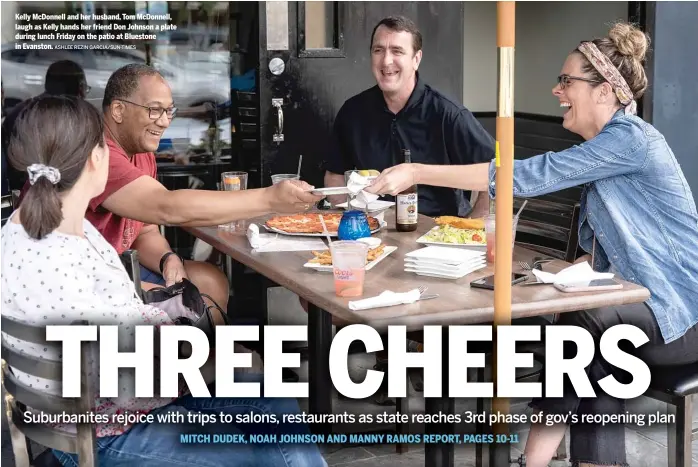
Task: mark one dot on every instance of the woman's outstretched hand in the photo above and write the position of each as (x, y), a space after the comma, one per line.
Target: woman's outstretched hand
(394, 180)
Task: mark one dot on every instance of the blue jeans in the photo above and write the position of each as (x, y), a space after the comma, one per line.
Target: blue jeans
(158, 445)
(149, 276)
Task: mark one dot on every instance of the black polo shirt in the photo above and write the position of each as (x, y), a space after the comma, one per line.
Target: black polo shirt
(436, 130)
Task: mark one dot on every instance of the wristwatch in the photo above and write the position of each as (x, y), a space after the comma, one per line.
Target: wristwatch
(164, 258)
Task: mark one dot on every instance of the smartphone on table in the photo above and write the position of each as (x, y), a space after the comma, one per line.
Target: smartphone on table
(590, 286)
(488, 282)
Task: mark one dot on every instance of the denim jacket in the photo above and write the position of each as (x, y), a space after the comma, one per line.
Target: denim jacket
(637, 204)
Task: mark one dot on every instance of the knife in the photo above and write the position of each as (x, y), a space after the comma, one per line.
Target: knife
(534, 282)
(428, 297)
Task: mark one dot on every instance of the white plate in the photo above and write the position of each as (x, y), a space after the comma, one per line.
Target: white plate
(334, 190)
(369, 266)
(378, 205)
(372, 242)
(423, 240)
(441, 266)
(443, 275)
(446, 272)
(445, 255)
(332, 234)
(377, 213)
(374, 207)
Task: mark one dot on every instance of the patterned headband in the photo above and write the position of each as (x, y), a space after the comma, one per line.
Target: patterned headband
(611, 74)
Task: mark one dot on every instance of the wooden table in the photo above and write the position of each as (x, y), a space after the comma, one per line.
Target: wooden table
(458, 303)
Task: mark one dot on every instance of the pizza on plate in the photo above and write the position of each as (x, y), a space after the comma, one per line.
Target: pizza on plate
(309, 223)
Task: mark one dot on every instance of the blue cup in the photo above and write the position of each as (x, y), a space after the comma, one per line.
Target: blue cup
(353, 226)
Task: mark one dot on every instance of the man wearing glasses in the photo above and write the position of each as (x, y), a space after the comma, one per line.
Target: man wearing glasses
(138, 108)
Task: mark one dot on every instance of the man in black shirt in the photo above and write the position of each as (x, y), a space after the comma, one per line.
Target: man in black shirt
(403, 112)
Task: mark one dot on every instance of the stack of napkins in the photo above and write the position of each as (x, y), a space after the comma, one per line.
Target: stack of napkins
(265, 242)
(444, 262)
(575, 274)
(356, 185)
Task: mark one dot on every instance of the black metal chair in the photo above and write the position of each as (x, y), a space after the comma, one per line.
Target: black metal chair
(677, 386)
(548, 225)
(21, 398)
(129, 259)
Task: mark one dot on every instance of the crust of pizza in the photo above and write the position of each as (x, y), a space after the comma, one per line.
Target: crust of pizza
(461, 223)
(310, 223)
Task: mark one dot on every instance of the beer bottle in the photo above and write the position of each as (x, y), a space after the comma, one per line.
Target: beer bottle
(406, 214)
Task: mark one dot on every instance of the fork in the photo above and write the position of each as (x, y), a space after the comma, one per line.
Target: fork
(324, 230)
(422, 296)
(538, 262)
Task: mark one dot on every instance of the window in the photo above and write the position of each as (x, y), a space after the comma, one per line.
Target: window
(111, 60)
(46, 57)
(15, 55)
(320, 29)
(193, 58)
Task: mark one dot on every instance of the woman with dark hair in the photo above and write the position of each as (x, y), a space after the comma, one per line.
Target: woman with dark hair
(638, 219)
(57, 269)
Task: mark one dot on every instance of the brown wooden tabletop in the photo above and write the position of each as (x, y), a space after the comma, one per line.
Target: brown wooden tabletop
(457, 303)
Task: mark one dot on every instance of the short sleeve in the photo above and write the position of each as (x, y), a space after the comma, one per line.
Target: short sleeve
(121, 173)
(468, 141)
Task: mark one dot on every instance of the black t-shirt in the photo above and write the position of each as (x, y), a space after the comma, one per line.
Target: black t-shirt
(436, 130)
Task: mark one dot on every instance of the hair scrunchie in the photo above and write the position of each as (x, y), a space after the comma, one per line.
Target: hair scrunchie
(36, 171)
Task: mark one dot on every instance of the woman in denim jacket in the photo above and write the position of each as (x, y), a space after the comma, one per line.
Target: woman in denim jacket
(638, 216)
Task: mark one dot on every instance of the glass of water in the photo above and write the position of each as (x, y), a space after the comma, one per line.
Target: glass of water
(278, 178)
(234, 181)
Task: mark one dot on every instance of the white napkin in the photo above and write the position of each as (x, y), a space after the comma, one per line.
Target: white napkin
(356, 185)
(387, 298)
(580, 272)
(265, 242)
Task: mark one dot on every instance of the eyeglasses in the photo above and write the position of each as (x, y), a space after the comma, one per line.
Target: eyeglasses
(566, 80)
(155, 112)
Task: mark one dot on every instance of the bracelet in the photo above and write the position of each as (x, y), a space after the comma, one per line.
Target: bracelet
(164, 258)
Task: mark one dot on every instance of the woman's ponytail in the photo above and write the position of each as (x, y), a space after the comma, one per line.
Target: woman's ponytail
(52, 139)
(41, 209)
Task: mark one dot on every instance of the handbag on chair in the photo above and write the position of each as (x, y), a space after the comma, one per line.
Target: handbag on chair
(185, 305)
